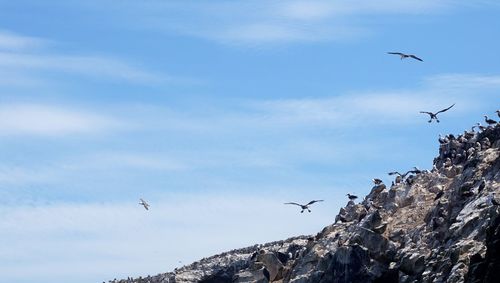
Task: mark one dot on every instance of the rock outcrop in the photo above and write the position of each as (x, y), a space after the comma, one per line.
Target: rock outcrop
(441, 225)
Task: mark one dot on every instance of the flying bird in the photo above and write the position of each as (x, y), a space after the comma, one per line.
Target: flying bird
(144, 203)
(304, 206)
(351, 197)
(489, 121)
(434, 115)
(404, 56)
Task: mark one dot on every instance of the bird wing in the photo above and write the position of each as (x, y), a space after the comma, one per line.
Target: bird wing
(430, 113)
(294, 203)
(445, 109)
(313, 201)
(395, 53)
(394, 173)
(415, 57)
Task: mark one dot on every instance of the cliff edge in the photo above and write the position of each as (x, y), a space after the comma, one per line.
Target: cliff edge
(441, 225)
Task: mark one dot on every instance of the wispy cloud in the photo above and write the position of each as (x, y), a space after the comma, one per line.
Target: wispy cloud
(357, 109)
(261, 23)
(13, 41)
(124, 234)
(47, 120)
(91, 66)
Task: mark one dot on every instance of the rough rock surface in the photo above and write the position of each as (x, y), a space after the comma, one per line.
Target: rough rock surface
(441, 225)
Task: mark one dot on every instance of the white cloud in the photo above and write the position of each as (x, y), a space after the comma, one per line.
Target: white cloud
(146, 161)
(358, 109)
(46, 120)
(12, 41)
(260, 22)
(93, 66)
(128, 240)
(464, 82)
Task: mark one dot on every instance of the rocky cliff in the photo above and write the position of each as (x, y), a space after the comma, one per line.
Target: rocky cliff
(440, 225)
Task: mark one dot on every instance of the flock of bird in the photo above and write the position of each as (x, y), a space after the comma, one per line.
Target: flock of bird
(432, 116)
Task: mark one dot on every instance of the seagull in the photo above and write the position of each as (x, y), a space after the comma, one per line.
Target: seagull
(434, 115)
(404, 56)
(304, 206)
(351, 197)
(489, 121)
(144, 203)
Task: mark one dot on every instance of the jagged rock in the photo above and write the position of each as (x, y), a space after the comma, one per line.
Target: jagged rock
(272, 264)
(398, 235)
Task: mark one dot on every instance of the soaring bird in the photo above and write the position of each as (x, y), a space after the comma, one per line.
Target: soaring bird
(434, 115)
(404, 56)
(304, 206)
(489, 121)
(144, 203)
(351, 197)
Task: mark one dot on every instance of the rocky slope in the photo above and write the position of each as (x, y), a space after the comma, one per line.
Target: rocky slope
(428, 226)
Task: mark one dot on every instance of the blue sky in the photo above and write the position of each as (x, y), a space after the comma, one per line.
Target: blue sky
(216, 113)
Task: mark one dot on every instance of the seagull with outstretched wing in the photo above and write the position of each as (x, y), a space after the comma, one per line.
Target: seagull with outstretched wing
(144, 203)
(304, 206)
(404, 56)
(433, 116)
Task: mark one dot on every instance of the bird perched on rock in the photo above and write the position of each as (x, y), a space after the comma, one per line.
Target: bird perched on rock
(482, 185)
(415, 170)
(480, 127)
(144, 203)
(443, 140)
(433, 116)
(491, 200)
(439, 195)
(304, 206)
(467, 194)
(498, 113)
(404, 56)
(489, 121)
(377, 181)
(351, 197)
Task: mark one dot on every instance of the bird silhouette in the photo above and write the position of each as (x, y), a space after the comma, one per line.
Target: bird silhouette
(489, 121)
(304, 206)
(352, 197)
(404, 56)
(433, 116)
(144, 203)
